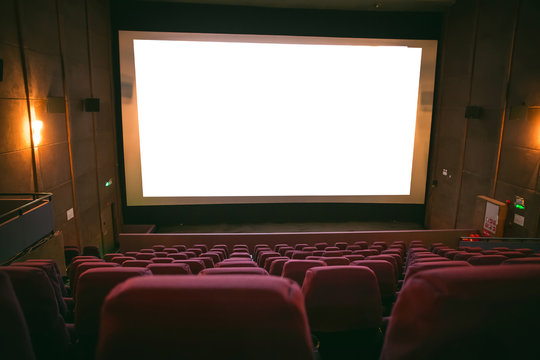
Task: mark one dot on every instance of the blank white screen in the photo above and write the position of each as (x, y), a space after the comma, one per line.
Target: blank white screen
(248, 119)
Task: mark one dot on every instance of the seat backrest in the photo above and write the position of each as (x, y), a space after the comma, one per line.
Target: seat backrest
(342, 298)
(53, 273)
(234, 271)
(194, 265)
(276, 268)
(169, 269)
(335, 261)
(486, 260)
(136, 263)
(36, 296)
(477, 312)
(386, 276)
(146, 256)
(418, 267)
(525, 260)
(14, 335)
(109, 256)
(86, 266)
(236, 263)
(92, 288)
(208, 262)
(296, 269)
(242, 317)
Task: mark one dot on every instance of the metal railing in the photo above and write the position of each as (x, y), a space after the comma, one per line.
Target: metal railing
(36, 199)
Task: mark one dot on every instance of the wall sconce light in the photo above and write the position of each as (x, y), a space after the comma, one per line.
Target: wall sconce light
(91, 105)
(37, 125)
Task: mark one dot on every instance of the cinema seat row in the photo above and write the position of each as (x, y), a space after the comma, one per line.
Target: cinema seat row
(327, 310)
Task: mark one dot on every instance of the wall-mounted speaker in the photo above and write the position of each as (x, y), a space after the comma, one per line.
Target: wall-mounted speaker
(91, 105)
(1, 69)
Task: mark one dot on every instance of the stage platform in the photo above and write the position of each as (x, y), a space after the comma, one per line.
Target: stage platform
(291, 227)
(134, 242)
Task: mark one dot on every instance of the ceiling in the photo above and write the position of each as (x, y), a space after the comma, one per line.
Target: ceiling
(364, 5)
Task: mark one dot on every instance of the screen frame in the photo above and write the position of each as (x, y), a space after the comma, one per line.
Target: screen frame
(132, 164)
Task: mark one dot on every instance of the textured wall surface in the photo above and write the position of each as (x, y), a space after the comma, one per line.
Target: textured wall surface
(487, 60)
(61, 49)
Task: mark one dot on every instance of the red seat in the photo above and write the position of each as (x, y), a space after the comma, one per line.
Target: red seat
(486, 260)
(136, 263)
(178, 256)
(355, 257)
(366, 252)
(14, 335)
(53, 273)
(416, 268)
(109, 256)
(87, 266)
(269, 260)
(341, 245)
(321, 245)
(229, 317)
(524, 260)
(276, 268)
(180, 247)
(161, 254)
(240, 263)
(342, 298)
(145, 256)
(512, 254)
(158, 247)
(194, 265)
(234, 271)
(477, 312)
(163, 260)
(214, 255)
(72, 269)
(386, 278)
(121, 259)
(203, 247)
(296, 269)
(244, 255)
(195, 250)
(208, 262)
(332, 253)
(265, 254)
(169, 269)
(170, 250)
(300, 254)
(35, 294)
(362, 244)
(391, 259)
(93, 286)
(344, 310)
(336, 261)
(464, 256)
